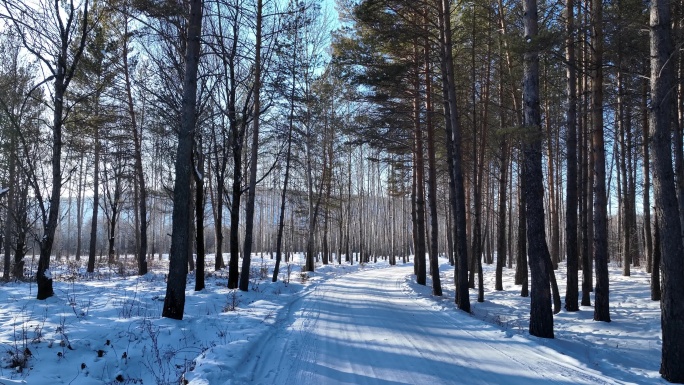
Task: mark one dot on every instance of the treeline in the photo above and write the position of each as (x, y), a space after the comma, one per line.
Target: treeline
(516, 133)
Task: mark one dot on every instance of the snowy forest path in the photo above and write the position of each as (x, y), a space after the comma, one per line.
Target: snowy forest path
(365, 328)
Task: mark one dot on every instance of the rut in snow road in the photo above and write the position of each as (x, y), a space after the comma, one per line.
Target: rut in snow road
(364, 328)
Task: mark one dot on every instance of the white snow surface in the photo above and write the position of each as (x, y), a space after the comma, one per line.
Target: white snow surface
(360, 324)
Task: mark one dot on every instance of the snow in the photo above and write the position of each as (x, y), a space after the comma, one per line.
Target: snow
(360, 324)
(3, 191)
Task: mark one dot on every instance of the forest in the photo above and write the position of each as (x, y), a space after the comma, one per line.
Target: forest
(524, 135)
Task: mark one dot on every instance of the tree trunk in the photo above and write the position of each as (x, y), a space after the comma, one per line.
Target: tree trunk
(601, 296)
(541, 317)
(11, 212)
(656, 292)
(553, 213)
(454, 154)
(113, 219)
(501, 224)
(254, 166)
(418, 164)
(281, 216)
(92, 248)
(137, 154)
(174, 301)
(626, 204)
(432, 178)
(79, 208)
(233, 263)
(22, 225)
(667, 209)
(43, 277)
(648, 244)
(521, 276)
(572, 286)
(199, 214)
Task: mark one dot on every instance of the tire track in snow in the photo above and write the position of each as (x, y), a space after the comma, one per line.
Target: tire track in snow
(365, 328)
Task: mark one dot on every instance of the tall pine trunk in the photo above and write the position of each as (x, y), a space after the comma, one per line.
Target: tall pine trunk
(646, 171)
(174, 301)
(541, 317)
(667, 206)
(572, 286)
(453, 133)
(92, 247)
(432, 177)
(198, 173)
(601, 296)
(418, 164)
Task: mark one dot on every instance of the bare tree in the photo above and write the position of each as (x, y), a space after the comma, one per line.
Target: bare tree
(254, 165)
(55, 33)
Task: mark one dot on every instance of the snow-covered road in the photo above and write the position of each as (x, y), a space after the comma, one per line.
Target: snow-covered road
(366, 328)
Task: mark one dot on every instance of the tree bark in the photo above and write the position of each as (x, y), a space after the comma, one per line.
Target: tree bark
(10, 212)
(254, 166)
(432, 177)
(418, 159)
(199, 214)
(656, 291)
(601, 295)
(454, 153)
(501, 224)
(521, 273)
(541, 317)
(572, 286)
(626, 204)
(92, 247)
(174, 301)
(648, 244)
(137, 154)
(667, 206)
(281, 216)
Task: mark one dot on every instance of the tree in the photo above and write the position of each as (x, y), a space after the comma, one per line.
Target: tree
(50, 33)
(668, 222)
(20, 107)
(136, 130)
(571, 292)
(541, 317)
(601, 305)
(198, 174)
(432, 169)
(454, 154)
(234, 99)
(249, 220)
(419, 177)
(289, 46)
(174, 302)
(115, 188)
